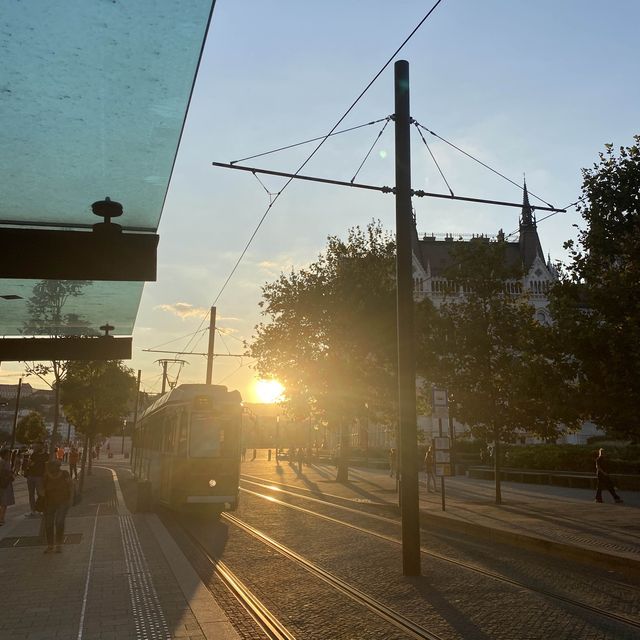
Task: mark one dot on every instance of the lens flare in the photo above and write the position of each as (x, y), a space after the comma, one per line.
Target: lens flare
(268, 391)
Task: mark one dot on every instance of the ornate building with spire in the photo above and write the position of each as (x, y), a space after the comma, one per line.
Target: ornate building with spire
(433, 256)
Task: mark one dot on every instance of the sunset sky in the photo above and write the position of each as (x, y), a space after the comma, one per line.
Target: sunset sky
(533, 88)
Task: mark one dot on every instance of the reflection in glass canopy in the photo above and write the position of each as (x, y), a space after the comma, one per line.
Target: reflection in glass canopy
(67, 307)
(93, 97)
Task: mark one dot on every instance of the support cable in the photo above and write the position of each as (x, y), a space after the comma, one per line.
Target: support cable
(271, 194)
(312, 154)
(484, 164)
(433, 158)
(355, 175)
(298, 144)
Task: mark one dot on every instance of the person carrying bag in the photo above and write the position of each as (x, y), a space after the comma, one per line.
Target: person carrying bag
(57, 500)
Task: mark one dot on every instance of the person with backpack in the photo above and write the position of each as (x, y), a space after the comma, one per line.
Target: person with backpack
(34, 474)
(57, 500)
(74, 457)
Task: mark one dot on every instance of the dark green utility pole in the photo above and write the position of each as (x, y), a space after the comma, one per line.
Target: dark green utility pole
(409, 509)
(15, 415)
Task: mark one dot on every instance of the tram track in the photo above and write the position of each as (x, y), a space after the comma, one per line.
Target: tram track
(620, 618)
(266, 620)
(389, 615)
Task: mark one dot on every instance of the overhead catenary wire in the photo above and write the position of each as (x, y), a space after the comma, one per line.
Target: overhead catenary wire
(187, 335)
(322, 141)
(312, 154)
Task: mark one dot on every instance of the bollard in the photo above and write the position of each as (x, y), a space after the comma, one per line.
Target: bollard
(254, 454)
(269, 455)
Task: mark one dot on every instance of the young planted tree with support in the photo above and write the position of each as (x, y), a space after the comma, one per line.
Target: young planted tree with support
(47, 317)
(96, 396)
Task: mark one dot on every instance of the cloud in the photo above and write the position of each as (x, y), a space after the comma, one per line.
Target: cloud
(183, 310)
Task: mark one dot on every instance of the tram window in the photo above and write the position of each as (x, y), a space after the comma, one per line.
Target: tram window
(207, 436)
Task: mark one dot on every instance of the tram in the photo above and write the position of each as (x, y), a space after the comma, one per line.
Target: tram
(186, 445)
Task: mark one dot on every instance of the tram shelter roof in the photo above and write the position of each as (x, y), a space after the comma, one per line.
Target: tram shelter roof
(93, 100)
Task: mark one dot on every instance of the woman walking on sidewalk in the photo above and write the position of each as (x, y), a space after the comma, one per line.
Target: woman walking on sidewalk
(57, 499)
(6, 483)
(603, 479)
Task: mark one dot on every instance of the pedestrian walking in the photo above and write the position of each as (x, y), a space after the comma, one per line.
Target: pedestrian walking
(59, 454)
(17, 462)
(74, 457)
(6, 483)
(34, 474)
(604, 480)
(430, 467)
(57, 500)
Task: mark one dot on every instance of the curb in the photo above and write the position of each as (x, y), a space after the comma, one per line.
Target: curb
(527, 541)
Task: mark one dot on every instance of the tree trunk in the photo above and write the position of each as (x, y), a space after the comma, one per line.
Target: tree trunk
(90, 466)
(83, 463)
(56, 419)
(496, 464)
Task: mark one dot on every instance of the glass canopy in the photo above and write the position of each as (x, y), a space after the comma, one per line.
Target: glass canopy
(93, 97)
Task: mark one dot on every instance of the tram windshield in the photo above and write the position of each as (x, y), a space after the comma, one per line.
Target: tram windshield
(207, 438)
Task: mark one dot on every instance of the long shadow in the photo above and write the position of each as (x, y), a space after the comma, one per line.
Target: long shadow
(452, 615)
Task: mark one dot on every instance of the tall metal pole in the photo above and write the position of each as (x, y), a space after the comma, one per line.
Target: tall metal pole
(409, 508)
(164, 375)
(212, 337)
(134, 434)
(15, 415)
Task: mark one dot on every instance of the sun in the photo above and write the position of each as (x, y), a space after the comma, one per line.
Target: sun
(268, 391)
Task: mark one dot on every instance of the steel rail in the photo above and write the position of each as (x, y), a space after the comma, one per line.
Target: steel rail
(485, 572)
(267, 621)
(366, 503)
(406, 625)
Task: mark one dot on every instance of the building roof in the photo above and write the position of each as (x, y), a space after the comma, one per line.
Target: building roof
(436, 257)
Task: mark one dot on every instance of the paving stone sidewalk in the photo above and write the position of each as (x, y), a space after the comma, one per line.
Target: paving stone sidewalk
(566, 519)
(119, 576)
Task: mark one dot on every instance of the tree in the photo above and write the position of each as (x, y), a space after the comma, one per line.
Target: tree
(483, 344)
(331, 335)
(31, 428)
(596, 304)
(46, 317)
(96, 396)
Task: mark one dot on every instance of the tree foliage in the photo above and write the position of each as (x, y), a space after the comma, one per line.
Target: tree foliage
(330, 337)
(597, 302)
(31, 428)
(46, 317)
(97, 394)
(483, 344)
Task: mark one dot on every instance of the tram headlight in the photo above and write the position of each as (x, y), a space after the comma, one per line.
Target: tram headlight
(212, 483)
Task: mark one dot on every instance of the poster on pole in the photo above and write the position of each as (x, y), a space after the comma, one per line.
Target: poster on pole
(440, 403)
(442, 456)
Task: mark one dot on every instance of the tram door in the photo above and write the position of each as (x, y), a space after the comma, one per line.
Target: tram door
(166, 457)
